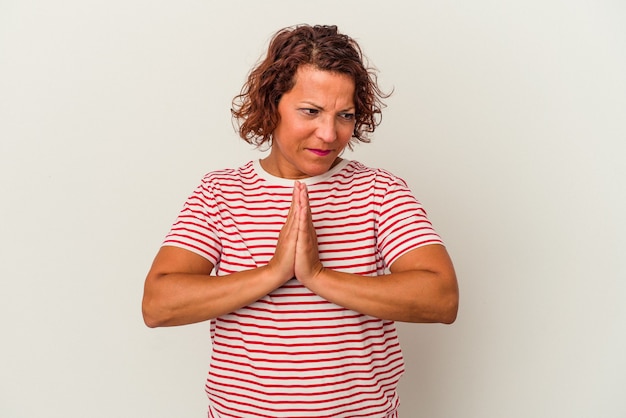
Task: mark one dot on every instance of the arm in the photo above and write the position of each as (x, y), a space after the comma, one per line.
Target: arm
(421, 287)
(179, 289)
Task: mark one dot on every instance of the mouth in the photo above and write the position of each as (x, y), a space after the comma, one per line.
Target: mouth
(319, 152)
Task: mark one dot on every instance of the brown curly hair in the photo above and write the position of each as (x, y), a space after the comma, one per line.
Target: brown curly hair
(255, 108)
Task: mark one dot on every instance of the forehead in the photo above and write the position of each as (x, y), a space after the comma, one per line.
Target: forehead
(311, 83)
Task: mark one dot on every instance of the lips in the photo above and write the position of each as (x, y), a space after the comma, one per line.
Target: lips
(319, 152)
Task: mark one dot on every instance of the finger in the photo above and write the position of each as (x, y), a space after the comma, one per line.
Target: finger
(283, 260)
(307, 238)
(294, 201)
(305, 203)
(300, 196)
(307, 263)
(297, 194)
(292, 216)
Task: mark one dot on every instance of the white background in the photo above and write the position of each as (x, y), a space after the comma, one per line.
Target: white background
(508, 121)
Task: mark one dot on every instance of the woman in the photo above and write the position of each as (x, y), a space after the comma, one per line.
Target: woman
(303, 260)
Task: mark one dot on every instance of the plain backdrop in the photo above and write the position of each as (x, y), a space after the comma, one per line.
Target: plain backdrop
(508, 120)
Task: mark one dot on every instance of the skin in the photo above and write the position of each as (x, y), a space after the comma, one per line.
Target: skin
(316, 122)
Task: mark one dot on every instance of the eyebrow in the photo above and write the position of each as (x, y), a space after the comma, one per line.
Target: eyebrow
(348, 109)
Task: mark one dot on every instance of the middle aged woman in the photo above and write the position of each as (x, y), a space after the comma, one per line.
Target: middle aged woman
(303, 260)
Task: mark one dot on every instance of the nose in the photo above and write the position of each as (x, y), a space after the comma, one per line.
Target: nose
(327, 129)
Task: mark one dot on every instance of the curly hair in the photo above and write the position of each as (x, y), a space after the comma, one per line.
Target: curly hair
(255, 108)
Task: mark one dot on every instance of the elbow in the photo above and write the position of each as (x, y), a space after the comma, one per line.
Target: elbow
(449, 316)
(153, 307)
(449, 309)
(449, 301)
(150, 321)
(150, 313)
(442, 310)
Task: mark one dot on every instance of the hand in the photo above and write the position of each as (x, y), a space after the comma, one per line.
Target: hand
(283, 261)
(296, 250)
(307, 261)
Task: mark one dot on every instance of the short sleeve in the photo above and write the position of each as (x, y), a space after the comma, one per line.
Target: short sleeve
(403, 224)
(195, 228)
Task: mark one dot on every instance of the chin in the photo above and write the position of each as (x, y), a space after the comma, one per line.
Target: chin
(317, 170)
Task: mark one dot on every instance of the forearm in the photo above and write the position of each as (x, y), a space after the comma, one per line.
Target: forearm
(408, 296)
(185, 298)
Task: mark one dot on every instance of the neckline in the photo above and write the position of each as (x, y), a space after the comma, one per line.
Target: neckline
(258, 168)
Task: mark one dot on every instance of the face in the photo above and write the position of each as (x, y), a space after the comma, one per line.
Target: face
(316, 124)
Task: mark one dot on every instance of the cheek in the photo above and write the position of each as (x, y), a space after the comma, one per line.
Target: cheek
(293, 129)
(344, 134)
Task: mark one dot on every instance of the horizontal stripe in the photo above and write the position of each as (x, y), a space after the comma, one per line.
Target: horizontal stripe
(292, 353)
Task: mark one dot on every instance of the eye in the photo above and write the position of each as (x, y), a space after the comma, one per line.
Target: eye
(347, 116)
(309, 111)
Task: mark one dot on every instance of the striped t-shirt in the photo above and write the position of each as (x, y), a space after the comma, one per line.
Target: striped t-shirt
(293, 353)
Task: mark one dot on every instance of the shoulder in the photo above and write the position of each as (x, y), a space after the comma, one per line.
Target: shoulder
(230, 176)
(379, 177)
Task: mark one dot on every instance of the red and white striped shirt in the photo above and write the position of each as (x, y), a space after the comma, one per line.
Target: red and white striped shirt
(293, 353)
